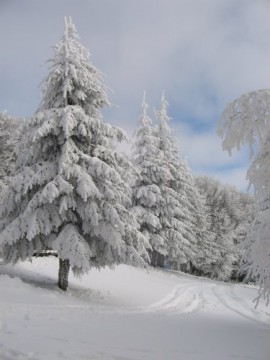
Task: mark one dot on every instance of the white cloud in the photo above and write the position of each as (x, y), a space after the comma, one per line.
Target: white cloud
(203, 52)
(236, 177)
(204, 150)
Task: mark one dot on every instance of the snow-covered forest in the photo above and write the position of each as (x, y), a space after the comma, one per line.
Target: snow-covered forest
(72, 200)
(70, 190)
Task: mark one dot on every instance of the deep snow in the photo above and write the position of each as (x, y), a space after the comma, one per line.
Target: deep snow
(127, 314)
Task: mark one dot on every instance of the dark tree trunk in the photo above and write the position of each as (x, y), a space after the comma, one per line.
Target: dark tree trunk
(63, 274)
(160, 260)
(157, 259)
(153, 257)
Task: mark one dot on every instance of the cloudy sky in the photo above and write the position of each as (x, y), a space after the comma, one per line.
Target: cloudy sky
(203, 53)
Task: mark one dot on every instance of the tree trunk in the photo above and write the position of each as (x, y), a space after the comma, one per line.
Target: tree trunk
(153, 257)
(160, 260)
(63, 274)
(157, 259)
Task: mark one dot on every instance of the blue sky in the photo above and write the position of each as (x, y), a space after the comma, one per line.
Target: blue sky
(203, 53)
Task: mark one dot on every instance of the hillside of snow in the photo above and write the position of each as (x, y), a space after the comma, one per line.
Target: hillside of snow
(127, 314)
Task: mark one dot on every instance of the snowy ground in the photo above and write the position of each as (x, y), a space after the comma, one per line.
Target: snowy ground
(127, 314)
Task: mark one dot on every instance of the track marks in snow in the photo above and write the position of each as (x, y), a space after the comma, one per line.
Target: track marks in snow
(208, 298)
(238, 305)
(183, 299)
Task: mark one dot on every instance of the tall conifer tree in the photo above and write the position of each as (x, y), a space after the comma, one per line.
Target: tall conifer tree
(166, 198)
(70, 192)
(147, 198)
(182, 218)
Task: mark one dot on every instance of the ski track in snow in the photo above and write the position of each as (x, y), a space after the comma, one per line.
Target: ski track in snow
(200, 297)
(182, 297)
(240, 306)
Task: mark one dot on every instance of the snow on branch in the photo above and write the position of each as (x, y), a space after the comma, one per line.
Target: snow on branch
(245, 120)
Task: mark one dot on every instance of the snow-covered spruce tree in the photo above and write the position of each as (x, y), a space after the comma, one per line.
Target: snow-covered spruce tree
(228, 213)
(181, 215)
(247, 121)
(147, 198)
(69, 192)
